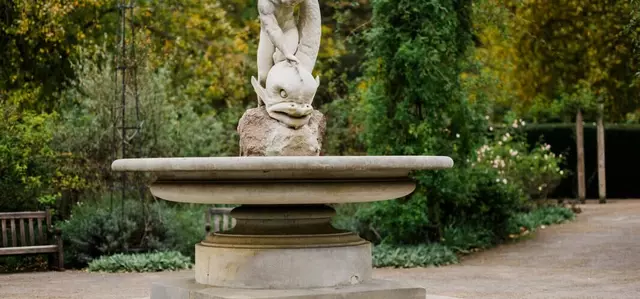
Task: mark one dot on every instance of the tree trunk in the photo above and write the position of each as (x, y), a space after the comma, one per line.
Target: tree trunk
(580, 159)
(602, 181)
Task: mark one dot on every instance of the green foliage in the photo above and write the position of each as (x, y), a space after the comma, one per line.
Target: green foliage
(475, 198)
(210, 54)
(414, 106)
(536, 170)
(23, 263)
(96, 229)
(39, 40)
(344, 126)
(413, 256)
(412, 79)
(146, 262)
(26, 159)
(529, 222)
(464, 238)
(543, 49)
(170, 124)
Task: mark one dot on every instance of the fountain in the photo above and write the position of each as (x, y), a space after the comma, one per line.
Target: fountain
(283, 245)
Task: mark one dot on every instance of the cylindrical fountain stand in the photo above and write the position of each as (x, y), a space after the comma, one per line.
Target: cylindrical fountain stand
(283, 247)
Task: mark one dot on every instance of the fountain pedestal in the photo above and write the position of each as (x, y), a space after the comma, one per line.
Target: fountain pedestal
(271, 243)
(283, 244)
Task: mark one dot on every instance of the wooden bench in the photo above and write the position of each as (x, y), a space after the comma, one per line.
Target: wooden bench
(218, 219)
(31, 233)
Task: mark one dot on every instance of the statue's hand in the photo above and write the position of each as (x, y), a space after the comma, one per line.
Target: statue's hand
(293, 59)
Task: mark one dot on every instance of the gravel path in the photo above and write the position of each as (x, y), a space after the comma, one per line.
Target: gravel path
(597, 256)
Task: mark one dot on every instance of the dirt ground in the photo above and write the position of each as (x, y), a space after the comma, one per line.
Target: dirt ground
(596, 256)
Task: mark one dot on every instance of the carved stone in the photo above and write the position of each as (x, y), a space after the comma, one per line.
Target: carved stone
(261, 135)
(286, 57)
(288, 94)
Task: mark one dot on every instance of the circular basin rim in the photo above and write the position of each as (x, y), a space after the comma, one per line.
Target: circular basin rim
(283, 163)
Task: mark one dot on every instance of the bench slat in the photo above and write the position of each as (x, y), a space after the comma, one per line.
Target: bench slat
(225, 222)
(23, 215)
(14, 237)
(4, 233)
(216, 223)
(32, 237)
(28, 249)
(41, 239)
(23, 239)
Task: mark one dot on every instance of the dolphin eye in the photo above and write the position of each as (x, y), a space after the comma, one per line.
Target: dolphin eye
(283, 93)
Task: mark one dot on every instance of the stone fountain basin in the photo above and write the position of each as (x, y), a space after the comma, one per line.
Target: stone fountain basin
(282, 180)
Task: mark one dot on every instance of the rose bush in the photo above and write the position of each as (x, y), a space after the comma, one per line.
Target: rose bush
(535, 169)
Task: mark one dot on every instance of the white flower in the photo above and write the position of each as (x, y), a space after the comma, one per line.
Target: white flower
(491, 129)
(499, 142)
(547, 146)
(486, 117)
(539, 188)
(523, 123)
(513, 152)
(561, 172)
(497, 180)
(504, 181)
(457, 135)
(515, 125)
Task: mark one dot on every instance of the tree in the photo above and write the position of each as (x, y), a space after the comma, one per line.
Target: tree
(414, 104)
(39, 40)
(561, 59)
(26, 159)
(573, 42)
(567, 44)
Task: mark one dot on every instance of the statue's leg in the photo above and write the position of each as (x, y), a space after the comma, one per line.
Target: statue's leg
(265, 57)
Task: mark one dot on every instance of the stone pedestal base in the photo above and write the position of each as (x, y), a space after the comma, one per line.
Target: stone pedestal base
(282, 247)
(276, 268)
(374, 289)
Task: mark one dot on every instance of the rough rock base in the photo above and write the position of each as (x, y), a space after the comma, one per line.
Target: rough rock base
(261, 135)
(374, 289)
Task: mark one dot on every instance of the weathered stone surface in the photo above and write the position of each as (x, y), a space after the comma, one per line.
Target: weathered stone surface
(287, 53)
(281, 179)
(283, 268)
(261, 135)
(373, 289)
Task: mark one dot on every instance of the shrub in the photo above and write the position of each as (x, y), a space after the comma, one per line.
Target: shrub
(26, 158)
(464, 238)
(146, 262)
(536, 170)
(413, 256)
(529, 222)
(95, 229)
(471, 197)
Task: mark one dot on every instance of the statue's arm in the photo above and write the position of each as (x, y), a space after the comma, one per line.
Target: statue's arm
(269, 23)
